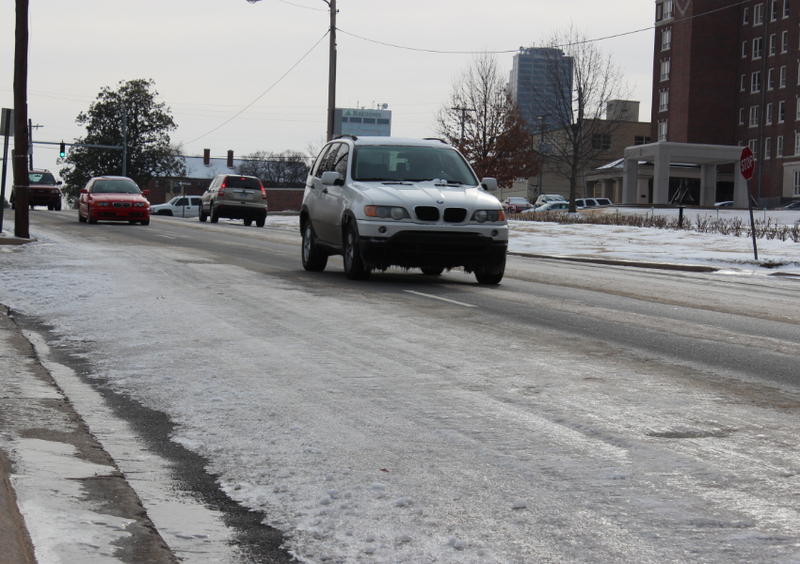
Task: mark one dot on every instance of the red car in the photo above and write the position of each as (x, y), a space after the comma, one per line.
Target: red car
(113, 198)
(516, 205)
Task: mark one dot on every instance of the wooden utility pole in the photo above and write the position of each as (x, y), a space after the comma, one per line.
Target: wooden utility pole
(20, 161)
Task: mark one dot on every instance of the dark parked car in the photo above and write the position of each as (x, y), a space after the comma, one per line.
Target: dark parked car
(43, 190)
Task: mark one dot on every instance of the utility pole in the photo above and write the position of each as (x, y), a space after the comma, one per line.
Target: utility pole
(31, 127)
(331, 69)
(463, 118)
(20, 160)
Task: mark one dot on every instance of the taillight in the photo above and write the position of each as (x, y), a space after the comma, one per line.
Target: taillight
(263, 193)
(221, 191)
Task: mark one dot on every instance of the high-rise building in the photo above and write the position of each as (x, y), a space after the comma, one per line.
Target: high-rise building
(541, 85)
(725, 72)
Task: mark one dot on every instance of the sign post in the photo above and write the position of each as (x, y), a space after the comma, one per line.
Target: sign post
(746, 166)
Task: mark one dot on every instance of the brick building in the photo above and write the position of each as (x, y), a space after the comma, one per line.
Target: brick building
(725, 72)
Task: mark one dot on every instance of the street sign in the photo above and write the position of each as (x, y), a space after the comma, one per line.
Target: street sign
(747, 163)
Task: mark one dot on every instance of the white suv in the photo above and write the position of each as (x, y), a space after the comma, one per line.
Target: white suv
(383, 201)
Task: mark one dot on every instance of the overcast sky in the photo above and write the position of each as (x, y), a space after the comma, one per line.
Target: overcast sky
(211, 59)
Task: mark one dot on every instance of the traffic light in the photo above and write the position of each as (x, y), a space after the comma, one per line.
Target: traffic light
(62, 151)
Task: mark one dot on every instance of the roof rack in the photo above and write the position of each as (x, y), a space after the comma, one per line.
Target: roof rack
(435, 139)
(348, 136)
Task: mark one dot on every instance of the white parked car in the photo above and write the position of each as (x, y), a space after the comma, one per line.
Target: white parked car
(180, 206)
(384, 201)
(592, 202)
(545, 198)
(550, 206)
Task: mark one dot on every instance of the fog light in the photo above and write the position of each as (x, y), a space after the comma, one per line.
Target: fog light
(381, 229)
(495, 233)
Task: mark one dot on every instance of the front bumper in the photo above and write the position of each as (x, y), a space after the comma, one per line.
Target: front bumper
(443, 249)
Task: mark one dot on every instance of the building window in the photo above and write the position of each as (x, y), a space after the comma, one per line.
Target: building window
(664, 70)
(784, 41)
(753, 116)
(768, 148)
(601, 142)
(797, 112)
(746, 15)
(773, 41)
(785, 8)
(743, 83)
(771, 79)
(741, 116)
(641, 140)
(783, 77)
(758, 47)
(745, 52)
(755, 82)
(779, 146)
(797, 144)
(773, 12)
(666, 40)
(758, 14)
(667, 9)
(753, 144)
(663, 101)
(768, 114)
(797, 183)
(662, 130)
(781, 112)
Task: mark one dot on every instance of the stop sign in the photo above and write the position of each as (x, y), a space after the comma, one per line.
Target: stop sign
(747, 163)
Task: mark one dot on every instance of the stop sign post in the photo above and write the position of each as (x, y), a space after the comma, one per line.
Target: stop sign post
(747, 163)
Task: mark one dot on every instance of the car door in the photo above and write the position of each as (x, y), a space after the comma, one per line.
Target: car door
(326, 201)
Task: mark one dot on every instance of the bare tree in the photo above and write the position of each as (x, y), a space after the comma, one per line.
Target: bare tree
(482, 121)
(276, 170)
(573, 129)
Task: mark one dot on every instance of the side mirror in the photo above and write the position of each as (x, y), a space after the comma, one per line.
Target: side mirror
(145, 192)
(84, 191)
(331, 177)
(59, 183)
(489, 183)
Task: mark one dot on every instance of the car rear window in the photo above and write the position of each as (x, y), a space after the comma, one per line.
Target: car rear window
(243, 182)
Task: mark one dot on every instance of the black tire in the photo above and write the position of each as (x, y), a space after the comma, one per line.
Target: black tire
(260, 222)
(58, 206)
(80, 217)
(145, 222)
(248, 222)
(214, 214)
(354, 267)
(491, 275)
(89, 217)
(432, 270)
(313, 259)
(203, 215)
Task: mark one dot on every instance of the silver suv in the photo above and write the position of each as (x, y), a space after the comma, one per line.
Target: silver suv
(235, 197)
(383, 201)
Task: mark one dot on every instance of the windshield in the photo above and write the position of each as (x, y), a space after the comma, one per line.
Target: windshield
(411, 164)
(115, 187)
(41, 178)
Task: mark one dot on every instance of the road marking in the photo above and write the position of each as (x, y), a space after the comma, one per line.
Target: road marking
(440, 298)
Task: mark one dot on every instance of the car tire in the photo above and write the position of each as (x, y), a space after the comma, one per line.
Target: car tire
(81, 218)
(490, 275)
(203, 216)
(313, 259)
(432, 270)
(145, 222)
(248, 222)
(89, 217)
(354, 267)
(260, 222)
(214, 214)
(58, 206)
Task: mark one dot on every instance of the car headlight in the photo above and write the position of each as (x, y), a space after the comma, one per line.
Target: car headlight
(103, 204)
(386, 212)
(139, 205)
(482, 216)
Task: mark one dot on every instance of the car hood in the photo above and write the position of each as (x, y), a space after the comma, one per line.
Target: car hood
(412, 194)
(118, 198)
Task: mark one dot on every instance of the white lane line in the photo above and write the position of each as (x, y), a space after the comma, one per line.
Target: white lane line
(440, 298)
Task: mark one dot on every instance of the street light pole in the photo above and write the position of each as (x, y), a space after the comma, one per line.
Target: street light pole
(331, 66)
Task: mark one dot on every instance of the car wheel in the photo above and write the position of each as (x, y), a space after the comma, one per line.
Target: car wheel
(89, 217)
(248, 222)
(145, 222)
(261, 221)
(203, 215)
(432, 271)
(354, 267)
(81, 218)
(214, 214)
(58, 206)
(313, 259)
(490, 274)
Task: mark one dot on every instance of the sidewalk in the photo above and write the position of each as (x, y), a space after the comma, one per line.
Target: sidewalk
(59, 489)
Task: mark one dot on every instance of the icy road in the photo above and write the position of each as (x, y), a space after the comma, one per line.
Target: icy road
(574, 414)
